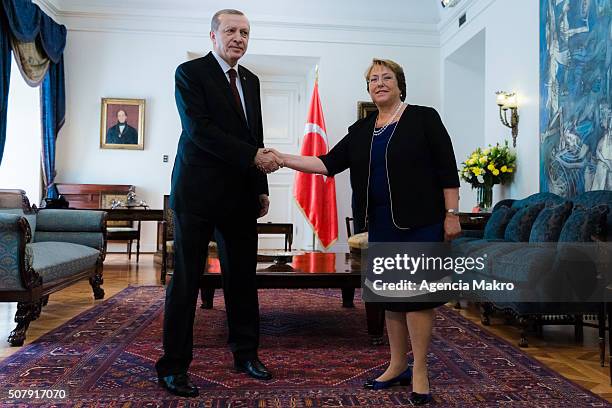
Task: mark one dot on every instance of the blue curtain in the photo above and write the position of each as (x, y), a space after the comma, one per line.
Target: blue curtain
(5, 79)
(53, 110)
(26, 22)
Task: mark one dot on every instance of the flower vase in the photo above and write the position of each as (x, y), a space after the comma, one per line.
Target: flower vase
(485, 197)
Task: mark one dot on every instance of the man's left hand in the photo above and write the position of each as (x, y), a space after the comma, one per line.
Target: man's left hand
(452, 227)
(264, 201)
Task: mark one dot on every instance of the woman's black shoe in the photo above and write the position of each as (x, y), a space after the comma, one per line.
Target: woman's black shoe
(405, 378)
(421, 399)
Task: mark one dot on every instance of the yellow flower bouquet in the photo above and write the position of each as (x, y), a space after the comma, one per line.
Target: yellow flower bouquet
(487, 167)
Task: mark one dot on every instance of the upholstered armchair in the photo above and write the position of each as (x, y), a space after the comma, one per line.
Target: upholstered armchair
(44, 251)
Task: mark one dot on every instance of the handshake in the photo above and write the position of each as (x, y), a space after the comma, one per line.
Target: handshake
(268, 160)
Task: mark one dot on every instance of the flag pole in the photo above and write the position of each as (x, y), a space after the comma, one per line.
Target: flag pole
(314, 237)
(314, 194)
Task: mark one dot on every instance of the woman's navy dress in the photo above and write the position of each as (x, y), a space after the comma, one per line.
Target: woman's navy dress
(381, 227)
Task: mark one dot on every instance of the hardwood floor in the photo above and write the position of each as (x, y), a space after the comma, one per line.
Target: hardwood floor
(555, 348)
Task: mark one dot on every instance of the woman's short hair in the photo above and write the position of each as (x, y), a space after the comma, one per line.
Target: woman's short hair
(393, 66)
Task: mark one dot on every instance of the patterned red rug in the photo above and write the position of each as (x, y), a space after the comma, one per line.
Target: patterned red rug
(318, 352)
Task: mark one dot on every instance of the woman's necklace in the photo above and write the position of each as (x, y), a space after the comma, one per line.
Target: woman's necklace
(382, 129)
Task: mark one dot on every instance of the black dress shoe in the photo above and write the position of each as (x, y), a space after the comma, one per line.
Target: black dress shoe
(253, 368)
(179, 384)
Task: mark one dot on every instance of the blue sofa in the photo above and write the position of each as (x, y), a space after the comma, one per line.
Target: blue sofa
(541, 217)
(44, 251)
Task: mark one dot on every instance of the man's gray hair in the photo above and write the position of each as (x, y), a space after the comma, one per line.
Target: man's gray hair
(214, 23)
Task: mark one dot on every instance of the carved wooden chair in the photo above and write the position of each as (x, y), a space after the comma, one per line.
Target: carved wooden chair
(165, 240)
(124, 231)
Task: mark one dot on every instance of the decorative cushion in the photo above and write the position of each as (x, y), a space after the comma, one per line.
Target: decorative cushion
(358, 241)
(547, 226)
(519, 227)
(55, 260)
(70, 220)
(93, 240)
(538, 198)
(584, 223)
(30, 217)
(496, 226)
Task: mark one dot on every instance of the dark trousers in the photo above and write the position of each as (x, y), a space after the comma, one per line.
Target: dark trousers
(237, 246)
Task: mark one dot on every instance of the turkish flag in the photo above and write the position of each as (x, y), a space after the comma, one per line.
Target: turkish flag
(316, 194)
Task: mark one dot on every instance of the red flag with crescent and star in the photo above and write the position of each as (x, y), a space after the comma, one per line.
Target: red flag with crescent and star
(315, 194)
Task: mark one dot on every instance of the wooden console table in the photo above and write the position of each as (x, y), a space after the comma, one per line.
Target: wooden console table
(133, 214)
(306, 270)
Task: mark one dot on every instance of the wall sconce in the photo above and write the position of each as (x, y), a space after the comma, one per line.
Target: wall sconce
(449, 3)
(505, 101)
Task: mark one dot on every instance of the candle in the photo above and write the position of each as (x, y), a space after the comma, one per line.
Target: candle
(501, 98)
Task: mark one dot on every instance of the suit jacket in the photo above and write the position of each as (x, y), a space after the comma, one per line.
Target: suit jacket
(213, 173)
(129, 135)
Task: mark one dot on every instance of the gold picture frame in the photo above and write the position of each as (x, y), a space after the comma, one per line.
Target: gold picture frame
(365, 108)
(122, 124)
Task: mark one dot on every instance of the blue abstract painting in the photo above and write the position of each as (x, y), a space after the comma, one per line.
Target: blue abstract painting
(575, 93)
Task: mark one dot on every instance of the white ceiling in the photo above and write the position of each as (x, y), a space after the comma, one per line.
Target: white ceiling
(351, 12)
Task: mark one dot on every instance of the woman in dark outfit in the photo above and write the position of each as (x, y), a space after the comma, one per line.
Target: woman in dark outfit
(406, 189)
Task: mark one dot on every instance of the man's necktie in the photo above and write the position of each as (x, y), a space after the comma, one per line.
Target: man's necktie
(233, 74)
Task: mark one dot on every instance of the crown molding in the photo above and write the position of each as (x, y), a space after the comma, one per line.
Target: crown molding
(265, 27)
(48, 7)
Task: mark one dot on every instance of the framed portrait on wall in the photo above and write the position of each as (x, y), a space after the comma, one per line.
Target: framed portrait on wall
(122, 124)
(365, 108)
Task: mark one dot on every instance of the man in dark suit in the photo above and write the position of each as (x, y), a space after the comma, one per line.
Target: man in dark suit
(121, 132)
(218, 184)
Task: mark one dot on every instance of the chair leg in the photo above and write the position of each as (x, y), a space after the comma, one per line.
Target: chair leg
(207, 295)
(164, 265)
(524, 323)
(601, 320)
(375, 316)
(348, 294)
(26, 313)
(485, 313)
(129, 249)
(137, 250)
(96, 281)
(578, 329)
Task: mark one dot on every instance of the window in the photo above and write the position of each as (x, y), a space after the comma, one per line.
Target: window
(20, 167)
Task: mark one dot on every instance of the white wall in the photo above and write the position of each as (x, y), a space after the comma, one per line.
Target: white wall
(511, 64)
(463, 104)
(136, 59)
(20, 167)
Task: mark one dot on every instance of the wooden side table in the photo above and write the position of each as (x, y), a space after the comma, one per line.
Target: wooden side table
(473, 221)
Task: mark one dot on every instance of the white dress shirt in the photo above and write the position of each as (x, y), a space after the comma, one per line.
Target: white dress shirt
(225, 67)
